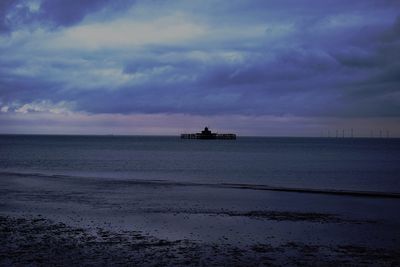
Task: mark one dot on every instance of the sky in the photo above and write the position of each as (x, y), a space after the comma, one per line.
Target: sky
(257, 67)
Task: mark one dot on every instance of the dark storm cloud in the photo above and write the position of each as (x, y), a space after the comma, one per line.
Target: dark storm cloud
(66, 13)
(15, 14)
(304, 58)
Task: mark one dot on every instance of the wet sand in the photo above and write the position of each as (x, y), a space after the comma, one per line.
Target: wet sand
(37, 242)
(70, 221)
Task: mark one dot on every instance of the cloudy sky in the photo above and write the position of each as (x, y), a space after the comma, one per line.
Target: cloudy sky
(262, 67)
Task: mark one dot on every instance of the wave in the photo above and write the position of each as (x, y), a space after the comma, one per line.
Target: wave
(242, 186)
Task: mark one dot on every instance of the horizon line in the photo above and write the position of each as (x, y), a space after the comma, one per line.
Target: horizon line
(178, 135)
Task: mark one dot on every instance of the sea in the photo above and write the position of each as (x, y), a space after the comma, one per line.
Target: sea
(358, 164)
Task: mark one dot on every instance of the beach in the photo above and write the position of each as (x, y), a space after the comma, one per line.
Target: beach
(63, 220)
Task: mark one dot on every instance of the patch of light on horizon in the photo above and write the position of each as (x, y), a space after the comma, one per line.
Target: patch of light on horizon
(44, 106)
(127, 32)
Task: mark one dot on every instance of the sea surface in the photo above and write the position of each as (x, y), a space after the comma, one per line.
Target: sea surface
(361, 164)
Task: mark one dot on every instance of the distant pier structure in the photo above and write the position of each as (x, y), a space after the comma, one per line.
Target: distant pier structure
(207, 134)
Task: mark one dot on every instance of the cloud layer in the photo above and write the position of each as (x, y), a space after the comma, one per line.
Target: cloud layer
(304, 59)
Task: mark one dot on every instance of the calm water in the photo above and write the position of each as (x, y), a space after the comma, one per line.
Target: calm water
(356, 164)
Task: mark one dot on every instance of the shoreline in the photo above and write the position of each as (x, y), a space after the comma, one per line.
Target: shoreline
(262, 187)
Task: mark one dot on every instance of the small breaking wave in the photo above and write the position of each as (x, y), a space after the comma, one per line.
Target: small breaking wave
(242, 186)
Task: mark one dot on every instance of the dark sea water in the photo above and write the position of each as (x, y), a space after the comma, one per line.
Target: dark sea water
(322, 163)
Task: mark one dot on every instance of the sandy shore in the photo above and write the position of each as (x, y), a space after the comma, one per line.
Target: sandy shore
(41, 242)
(71, 221)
